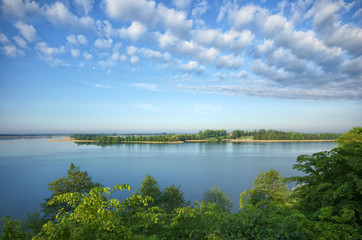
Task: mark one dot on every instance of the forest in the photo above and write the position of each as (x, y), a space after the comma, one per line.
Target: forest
(325, 204)
(210, 135)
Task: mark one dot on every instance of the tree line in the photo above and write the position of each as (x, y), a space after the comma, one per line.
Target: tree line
(210, 135)
(325, 204)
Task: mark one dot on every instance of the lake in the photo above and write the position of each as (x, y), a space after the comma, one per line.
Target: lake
(27, 165)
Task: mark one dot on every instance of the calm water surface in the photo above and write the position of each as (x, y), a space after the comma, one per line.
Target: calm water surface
(27, 165)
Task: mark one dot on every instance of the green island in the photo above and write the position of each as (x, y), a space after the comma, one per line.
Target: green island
(206, 136)
(325, 204)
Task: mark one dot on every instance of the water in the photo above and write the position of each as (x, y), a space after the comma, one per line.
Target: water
(27, 165)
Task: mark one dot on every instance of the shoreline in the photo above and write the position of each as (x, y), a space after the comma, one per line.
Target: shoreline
(271, 141)
(198, 141)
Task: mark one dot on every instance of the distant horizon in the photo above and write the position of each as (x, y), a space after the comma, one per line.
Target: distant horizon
(153, 132)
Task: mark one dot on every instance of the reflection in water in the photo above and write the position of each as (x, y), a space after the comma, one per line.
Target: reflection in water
(27, 165)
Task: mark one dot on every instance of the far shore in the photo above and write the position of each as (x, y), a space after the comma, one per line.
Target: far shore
(270, 141)
(196, 141)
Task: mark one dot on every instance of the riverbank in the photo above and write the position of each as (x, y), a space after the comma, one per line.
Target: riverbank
(280, 141)
(198, 141)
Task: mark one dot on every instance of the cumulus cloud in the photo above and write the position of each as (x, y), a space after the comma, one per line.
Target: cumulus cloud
(134, 32)
(191, 66)
(74, 52)
(147, 86)
(199, 9)
(134, 59)
(85, 5)
(87, 56)
(28, 31)
(103, 43)
(49, 54)
(11, 51)
(4, 39)
(287, 93)
(233, 40)
(82, 39)
(182, 4)
(149, 14)
(20, 8)
(20, 42)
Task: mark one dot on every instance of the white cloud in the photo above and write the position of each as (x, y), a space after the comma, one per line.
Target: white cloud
(105, 28)
(82, 39)
(72, 39)
(311, 94)
(74, 52)
(234, 40)
(4, 39)
(155, 55)
(182, 4)
(43, 48)
(20, 42)
(134, 59)
(199, 9)
(103, 43)
(147, 13)
(11, 51)
(123, 58)
(267, 46)
(131, 50)
(240, 17)
(147, 86)
(19, 7)
(85, 5)
(191, 66)
(134, 32)
(28, 31)
(87, 56)
(57, 13)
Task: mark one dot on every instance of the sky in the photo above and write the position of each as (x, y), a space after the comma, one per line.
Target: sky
(93, 66)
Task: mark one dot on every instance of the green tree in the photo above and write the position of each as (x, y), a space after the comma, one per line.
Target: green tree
(76, 181)
(215, 195)
(333, 179)
(352, 136)
(172, 198)
(12, 230)
(95, 216)
(150, 187)
(268, 187)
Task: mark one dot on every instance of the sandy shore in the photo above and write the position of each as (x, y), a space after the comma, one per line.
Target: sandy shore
(70, 140)
(270, 141)
(196, 141)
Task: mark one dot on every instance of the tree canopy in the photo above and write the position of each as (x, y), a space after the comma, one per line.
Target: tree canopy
(268, 187)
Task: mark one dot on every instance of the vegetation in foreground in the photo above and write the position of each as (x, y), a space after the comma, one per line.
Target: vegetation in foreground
(209, 135)
(325, 205)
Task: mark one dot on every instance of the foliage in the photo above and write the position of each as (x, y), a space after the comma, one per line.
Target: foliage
(215, 195)
(172, 198)
(76, 181)
(11, 229)
(95, 216)
(327, 205)
(210, 135)
(150, 187)
(352, 136)
(268, 187)
(333, 179)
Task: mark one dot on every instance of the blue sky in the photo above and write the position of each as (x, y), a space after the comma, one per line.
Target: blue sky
(179, 66)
